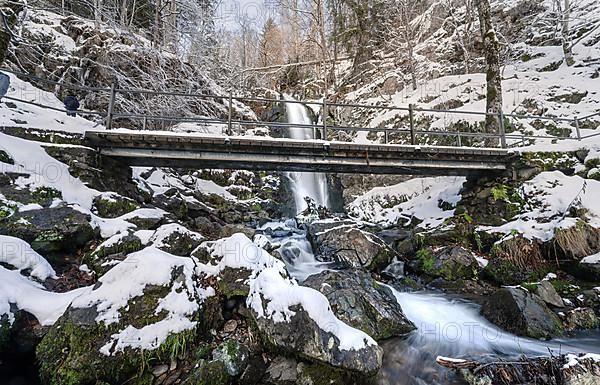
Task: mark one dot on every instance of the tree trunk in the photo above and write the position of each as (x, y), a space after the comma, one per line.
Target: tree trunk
(565, 15)
(491, 46)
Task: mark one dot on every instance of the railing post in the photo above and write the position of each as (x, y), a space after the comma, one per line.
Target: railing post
(324, 117)
(459, 139)
(502, 130)
(387, 136)
(577, 128)
(111, 107)
(230, 114)
(411, 115)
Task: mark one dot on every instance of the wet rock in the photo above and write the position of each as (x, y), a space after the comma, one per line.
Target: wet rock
(522, 313)
(362, 303)
(351, 247)
(580, 319)
(546, 291)
(449, 262)
(302, 337)
(286, 371)
(233, 282)
(51, 232)
(395, 270)
(320, 226)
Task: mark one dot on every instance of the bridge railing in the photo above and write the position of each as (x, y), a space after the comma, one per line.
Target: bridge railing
(414, 125)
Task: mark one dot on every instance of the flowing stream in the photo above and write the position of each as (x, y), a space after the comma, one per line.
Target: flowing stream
(446, 326)
(304, 184)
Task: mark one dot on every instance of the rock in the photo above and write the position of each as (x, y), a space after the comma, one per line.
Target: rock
(52, 232)
(546, 291)
(255, 371)
(449, 262)
(395, 270)
(233, 355)
(111, 205)
(80, 349)
(208, 372)
(282, 371)
(233, 282)
(320, 226)
(159, 370)
(303, 337)
(580, 319)
(351, 247)
(111, 251)
(176, 239)
(230, 326)
(229, 229)
(362, 303)
(522, 313)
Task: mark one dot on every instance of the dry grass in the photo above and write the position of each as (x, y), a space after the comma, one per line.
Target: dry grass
(521, 252)
(578, 241)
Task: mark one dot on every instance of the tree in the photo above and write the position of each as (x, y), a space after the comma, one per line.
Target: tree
(564, 10)
(271, 44)
(491, 46)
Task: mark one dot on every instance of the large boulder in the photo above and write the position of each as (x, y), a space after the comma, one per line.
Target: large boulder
(52, 232)
(522, 313)
(144, 309)
(546, 291)
(352, 247)
(359, 301)
(449, 262)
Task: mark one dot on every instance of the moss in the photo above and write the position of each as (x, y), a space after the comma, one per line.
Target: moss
(49, 240)
(6, 211)
(5, 158)
(43, 195)
(209, 373)
(551, 161)
(115, 207)
(427, 259)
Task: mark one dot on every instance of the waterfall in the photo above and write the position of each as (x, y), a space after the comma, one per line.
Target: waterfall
(304, 184)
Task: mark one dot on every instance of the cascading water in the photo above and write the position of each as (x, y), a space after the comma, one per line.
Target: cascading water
(304, 184)
(445, 326)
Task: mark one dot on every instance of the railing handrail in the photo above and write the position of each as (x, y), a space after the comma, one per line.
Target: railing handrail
(110, 115)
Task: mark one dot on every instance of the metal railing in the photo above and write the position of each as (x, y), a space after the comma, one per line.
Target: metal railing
(412, 129)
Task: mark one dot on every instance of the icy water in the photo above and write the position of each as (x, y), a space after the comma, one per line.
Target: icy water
(304, 184)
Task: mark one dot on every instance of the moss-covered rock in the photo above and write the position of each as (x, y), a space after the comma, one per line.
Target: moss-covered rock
(233, 355)
(111, 251)
(89, 344)
(209, 373)
(52, 232)
(450, 262)
(113, 205)
(582, 318)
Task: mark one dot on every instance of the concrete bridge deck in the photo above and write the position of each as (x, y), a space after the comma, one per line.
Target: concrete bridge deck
(261, 153)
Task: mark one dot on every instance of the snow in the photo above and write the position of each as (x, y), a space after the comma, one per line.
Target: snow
(165, 231)
(30, 296)
(18, 253)
(128, 280)
(41, 170)
(30, 116)
(549, 196)
(419, 197)
(592, 259)
(273, 293)
(574, 360)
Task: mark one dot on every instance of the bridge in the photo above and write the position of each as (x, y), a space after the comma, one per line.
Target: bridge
(404, 149)
(261, 153)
